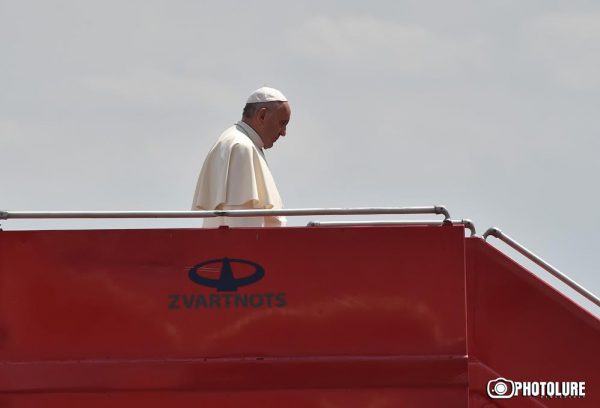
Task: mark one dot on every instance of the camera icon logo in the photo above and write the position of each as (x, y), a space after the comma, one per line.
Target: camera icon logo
(500, 388)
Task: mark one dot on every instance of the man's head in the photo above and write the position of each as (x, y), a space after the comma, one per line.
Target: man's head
(268, 112)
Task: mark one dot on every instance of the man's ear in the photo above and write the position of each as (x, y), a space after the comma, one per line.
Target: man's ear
(262, 112)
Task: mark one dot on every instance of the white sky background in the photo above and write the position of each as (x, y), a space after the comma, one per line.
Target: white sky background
(489, 108)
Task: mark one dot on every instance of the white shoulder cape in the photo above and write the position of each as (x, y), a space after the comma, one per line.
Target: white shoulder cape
(235, 174)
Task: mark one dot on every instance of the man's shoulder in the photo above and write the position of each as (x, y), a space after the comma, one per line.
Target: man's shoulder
(233, 135)
(233, 138)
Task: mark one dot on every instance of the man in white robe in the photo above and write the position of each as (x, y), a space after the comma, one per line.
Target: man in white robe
(235, 174)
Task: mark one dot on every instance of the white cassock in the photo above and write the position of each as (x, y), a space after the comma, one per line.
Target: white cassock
(235, 176)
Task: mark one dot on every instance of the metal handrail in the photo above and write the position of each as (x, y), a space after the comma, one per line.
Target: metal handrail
(6, 215)
(539, 261)
(467, 223)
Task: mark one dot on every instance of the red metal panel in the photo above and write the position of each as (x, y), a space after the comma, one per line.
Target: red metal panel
(348, 398)
(235, 373)
(523, 329)
(357, 293)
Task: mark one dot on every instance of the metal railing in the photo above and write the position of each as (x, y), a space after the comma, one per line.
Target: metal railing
(438, 210)
(467, 223)
(10, 215)
(495, 232)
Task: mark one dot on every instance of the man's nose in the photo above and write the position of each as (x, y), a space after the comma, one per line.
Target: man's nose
(282, 133)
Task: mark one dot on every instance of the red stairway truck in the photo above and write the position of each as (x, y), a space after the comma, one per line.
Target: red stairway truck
(356, 315)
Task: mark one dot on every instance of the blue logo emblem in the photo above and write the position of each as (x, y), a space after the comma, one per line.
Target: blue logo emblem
(226, 282)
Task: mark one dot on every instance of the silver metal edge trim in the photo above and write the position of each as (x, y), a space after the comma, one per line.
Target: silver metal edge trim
(376, 223)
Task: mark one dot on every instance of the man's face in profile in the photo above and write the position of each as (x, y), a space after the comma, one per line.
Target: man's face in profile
(275, 121)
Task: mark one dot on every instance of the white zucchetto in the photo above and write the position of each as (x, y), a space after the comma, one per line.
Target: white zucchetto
(266, 94)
